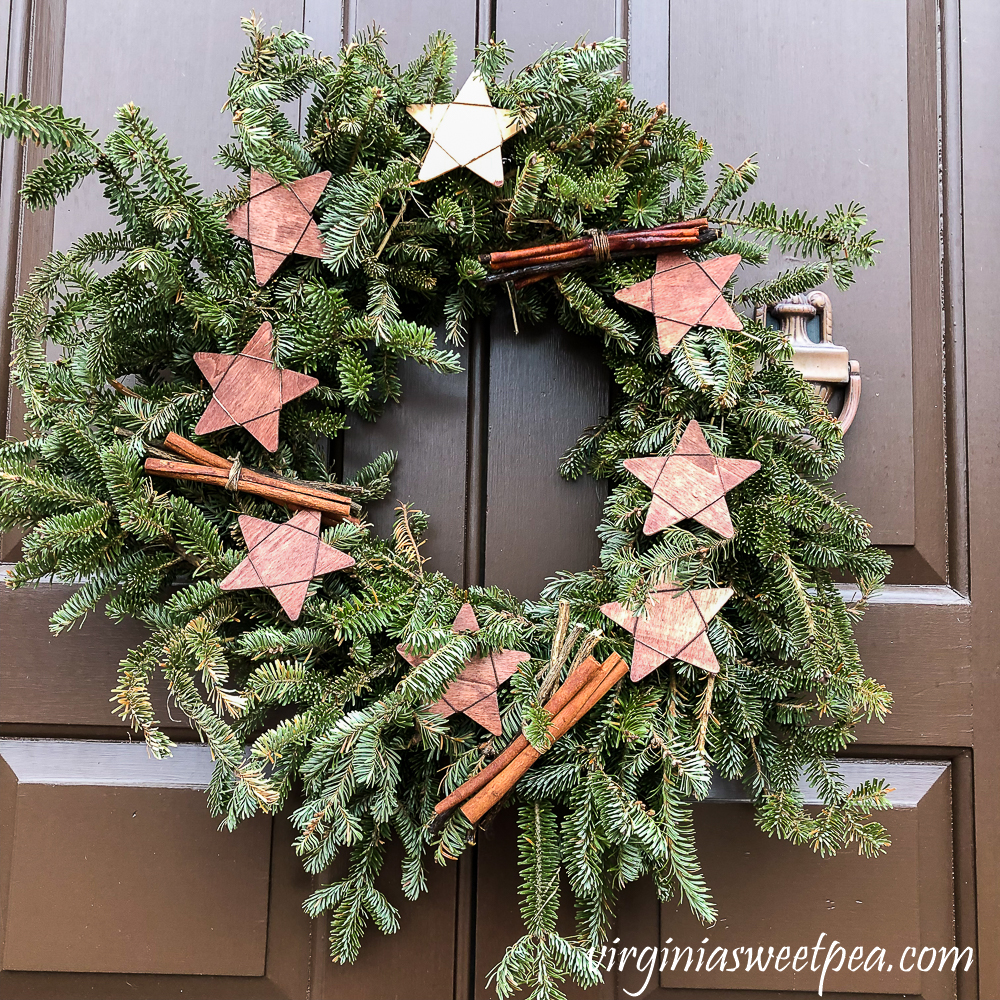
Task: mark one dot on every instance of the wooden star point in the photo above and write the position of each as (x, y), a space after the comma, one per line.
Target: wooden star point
(277, 220)
(672, 627)
(248, 391)
(692, 482)
(684, 293)
(285, 558)
(466, 133)
(474, 691)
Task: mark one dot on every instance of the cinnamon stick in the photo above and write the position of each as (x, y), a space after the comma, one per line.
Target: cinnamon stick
(616, 245)
(276, 491)
(568, 689)
(202, 456)
(612, 670)
(513, 258)
(545, 267)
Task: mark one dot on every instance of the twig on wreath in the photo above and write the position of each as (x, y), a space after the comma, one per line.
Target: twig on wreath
(388, 232)
(559, 652)
(406, 538)
(704, 714)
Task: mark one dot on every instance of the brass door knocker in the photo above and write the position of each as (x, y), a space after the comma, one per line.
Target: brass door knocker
(825, 364)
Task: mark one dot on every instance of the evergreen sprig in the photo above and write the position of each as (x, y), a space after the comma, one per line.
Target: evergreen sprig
(324, 713)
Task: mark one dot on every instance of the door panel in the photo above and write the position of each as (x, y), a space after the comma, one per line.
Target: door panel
(894, 902)
(60, 685)
(34, 68)
(194, 902)
(812, 127)
(923, 655)
(428, 430)
(417, 963)
(408, 26)
(530, 28)
(62, 680)
(546, 386)
(835, 121)
(179, 86)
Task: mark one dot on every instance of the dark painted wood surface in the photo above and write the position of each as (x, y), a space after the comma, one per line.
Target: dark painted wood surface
(418, 963)
(287, 963)
(74, 894)
(531, 27)
(427, 430)
(177, 78)
(34, 67)
(195, 901)
(891, 902)
(409, 25)
(53, 680)
(824, 137)
(924, 658)
(980, 135)
(546, 388)
(429, 427)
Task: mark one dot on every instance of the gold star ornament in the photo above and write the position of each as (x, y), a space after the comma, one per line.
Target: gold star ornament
(467, 133)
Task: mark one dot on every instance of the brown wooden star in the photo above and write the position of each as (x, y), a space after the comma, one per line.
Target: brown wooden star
(673, 628)
(684, 293)
(247, 390)
(692, 482)
(277, 220)
(466, 133)
(284, 558)
(474, 691)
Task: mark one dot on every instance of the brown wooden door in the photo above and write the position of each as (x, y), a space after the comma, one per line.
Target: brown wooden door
(843, 99)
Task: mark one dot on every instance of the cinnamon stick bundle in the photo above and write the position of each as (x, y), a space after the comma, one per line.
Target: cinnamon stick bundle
(207, 467)
(612, 670)
(529, 264)
(503, 259)
(576, 680)
(591, 681)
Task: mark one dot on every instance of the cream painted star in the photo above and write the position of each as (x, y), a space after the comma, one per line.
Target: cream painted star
(466, 133)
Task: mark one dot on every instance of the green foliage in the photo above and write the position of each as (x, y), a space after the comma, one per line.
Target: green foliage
(324, 713)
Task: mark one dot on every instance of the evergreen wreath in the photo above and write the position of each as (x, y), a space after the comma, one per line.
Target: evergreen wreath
(355, 753)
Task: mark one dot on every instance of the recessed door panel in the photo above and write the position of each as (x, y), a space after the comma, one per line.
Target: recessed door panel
(531, 28)
(82, 897)
(833, 121)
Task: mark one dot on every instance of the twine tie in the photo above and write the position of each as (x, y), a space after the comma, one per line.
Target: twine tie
(235, 470)
(601, 246)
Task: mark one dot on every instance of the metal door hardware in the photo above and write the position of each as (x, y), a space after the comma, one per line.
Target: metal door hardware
(825, 364)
